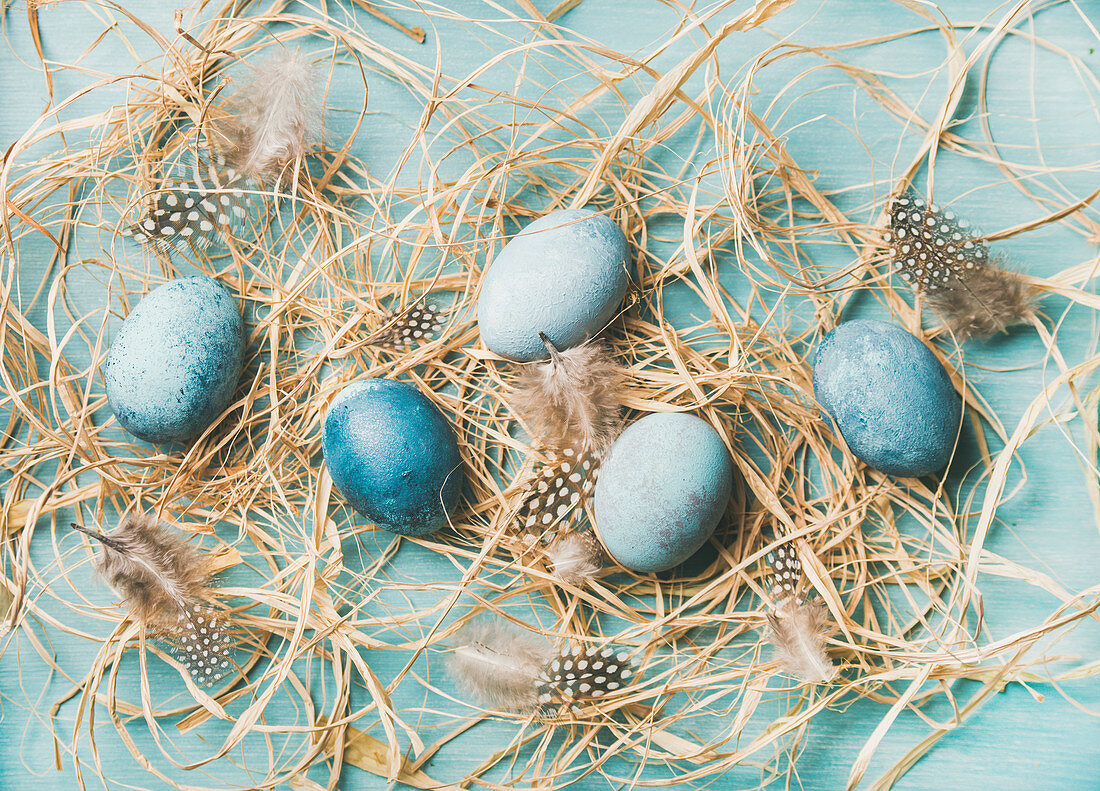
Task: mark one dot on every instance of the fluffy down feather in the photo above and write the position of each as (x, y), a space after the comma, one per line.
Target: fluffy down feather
(499, 664)
(158, 573)
(276, 116)
(797, 629)
(575, 558)
(574, 400)
(987, 302)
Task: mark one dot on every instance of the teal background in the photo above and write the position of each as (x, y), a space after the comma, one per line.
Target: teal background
(1041, 114)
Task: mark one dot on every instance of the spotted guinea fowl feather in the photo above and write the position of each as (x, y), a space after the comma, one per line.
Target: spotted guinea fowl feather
(560, 485)
(187, 217)
(510, 668)
(797, 627)
(401, 330)
(161, 578)
(938, 253)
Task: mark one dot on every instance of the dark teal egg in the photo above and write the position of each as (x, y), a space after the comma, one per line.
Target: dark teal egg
(661, 491)
(564, 274)
(890, 397)
(174, 364)
(393, 456)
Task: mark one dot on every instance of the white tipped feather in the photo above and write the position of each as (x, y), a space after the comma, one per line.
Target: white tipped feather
(574, 400)
(575, 558)
(797, 629)
(277, 115)
(499, 663)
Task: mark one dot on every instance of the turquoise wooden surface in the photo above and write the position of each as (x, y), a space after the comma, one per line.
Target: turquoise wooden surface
(1038, 110)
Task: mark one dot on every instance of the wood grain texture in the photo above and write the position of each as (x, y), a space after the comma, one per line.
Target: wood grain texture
(1021, 739)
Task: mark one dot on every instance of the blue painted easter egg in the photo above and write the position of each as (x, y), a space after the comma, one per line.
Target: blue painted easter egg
(393, 456)
(661, 490)
(564, 274)
(890, 397)
(174, 364)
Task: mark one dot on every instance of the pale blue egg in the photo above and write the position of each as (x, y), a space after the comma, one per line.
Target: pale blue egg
(174, 364)
(890, 397)
(564, 274)
(661, 491)
(393, 456)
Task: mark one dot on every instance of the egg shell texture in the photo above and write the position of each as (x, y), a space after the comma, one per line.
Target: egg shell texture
(393, 456)
(890, 397)
(175, 361)
(564, 274)
(661, 491)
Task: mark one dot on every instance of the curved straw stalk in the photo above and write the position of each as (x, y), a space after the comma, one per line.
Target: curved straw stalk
(896, 564)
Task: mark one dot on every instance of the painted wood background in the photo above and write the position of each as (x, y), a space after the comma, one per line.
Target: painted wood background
(1046, 736)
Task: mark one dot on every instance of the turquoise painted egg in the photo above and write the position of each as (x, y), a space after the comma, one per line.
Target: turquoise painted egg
(564, 274)
(661, 491)
(393, 456)
(890, 397)
(174, 364)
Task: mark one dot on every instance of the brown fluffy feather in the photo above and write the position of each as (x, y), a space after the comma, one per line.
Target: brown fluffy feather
(161, 578)
(499, 663)
(574, 400)
(987, 302)
(797, 629)
(158, 573)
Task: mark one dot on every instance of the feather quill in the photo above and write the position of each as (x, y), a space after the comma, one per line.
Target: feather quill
(275, 117)
(574, 400)
(509, 668)
(797, 627)
(942, 258)
(161, 578)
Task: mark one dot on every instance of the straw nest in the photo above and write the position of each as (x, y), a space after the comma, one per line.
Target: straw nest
(325, 598)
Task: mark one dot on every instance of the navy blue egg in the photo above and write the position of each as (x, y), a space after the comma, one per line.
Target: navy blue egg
(393, 456)
(175, 362)
(564, 274)
(661, 491)
(890, 397)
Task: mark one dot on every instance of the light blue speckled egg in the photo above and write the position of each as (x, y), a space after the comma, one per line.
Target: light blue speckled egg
(174, 364)
(661, 491)
(564, 274)
(890, 397)
(393, 456)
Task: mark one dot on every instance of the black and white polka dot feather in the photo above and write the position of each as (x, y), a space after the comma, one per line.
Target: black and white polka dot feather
(187, 217)
(582, 674)
(202, 641)
(939, 254)
(403, 330)
(786, 572)
(932, 248)
(560, 485)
